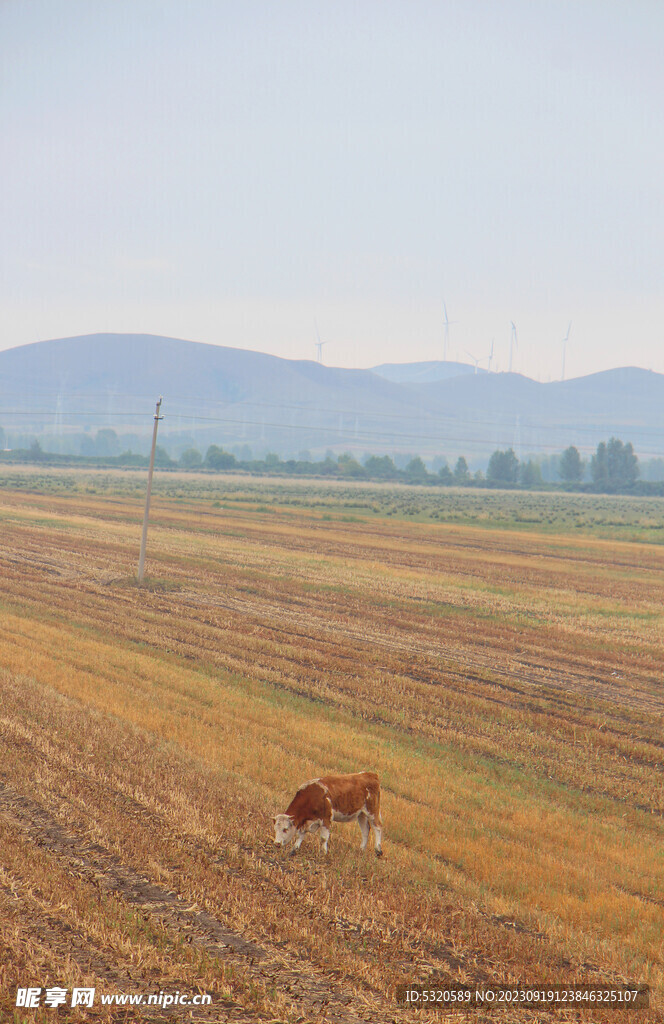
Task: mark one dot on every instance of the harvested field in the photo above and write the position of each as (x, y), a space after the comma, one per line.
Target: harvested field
(506, 683)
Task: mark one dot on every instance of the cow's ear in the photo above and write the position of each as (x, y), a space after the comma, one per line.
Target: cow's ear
(274, 818)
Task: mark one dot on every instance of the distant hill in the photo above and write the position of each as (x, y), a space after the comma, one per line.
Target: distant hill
(534, 417)
(234, 397)
(134, 367)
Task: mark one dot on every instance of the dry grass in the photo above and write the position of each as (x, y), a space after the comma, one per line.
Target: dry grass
(506, 685)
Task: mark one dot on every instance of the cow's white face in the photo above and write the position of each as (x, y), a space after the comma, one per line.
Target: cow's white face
(284, 830)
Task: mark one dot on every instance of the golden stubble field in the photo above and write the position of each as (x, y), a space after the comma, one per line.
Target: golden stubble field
(505, 683)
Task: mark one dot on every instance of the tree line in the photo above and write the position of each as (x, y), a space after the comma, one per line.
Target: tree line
(613, 468)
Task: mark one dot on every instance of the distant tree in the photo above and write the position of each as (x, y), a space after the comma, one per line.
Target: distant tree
(107, 442)
(380, 466)
(614, 466)
(503, 467)
(623, 463)
(461, 473)
(36, 450)
(570, 466)
(548, 465)
(162, 458)
(191, 458)
(530, 475)
(217, 458)
(349, 466)
(272, 459)
(416, 471)
(445, 474)
(599, 467)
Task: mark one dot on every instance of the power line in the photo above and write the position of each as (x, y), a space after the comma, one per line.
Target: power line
(431, 418)
(385, 435)
(240, 404)
(89, 413)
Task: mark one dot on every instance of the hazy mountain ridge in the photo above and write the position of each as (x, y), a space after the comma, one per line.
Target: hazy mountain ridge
(138, 366)
(236, 396)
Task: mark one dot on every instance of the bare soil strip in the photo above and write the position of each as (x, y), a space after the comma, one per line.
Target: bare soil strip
(520, 670)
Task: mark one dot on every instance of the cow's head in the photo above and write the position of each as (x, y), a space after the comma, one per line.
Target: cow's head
(284, 829)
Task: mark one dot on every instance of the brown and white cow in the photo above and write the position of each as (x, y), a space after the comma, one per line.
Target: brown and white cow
(332, 798)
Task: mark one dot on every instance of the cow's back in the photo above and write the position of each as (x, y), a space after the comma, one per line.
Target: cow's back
(350, 793)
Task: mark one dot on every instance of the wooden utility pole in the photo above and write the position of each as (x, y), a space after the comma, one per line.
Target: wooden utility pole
(144, 537)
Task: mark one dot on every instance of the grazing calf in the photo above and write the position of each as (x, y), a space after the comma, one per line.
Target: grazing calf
(332, 798)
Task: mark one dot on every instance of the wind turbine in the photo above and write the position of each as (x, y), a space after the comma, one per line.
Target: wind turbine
(513, 342)
(490, 356)
(474, 358)
(319, 345)
(447, 323)
(565, 340)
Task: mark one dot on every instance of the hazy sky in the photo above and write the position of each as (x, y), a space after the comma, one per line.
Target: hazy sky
(235, 172)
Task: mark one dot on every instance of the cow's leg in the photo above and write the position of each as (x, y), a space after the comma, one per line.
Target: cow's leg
(365, 827)
(377, 827)
(326, 822)
(298, 843)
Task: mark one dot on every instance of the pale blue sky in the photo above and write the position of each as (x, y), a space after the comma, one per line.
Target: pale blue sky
(231, 172)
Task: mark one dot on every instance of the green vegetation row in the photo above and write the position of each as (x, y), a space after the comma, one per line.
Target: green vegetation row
(335, 499)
